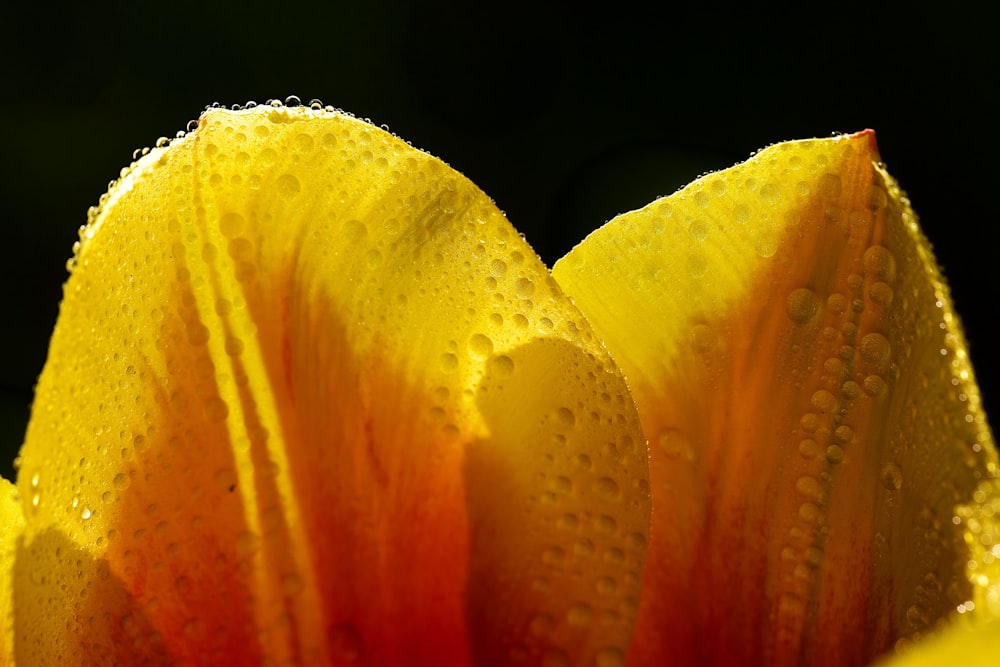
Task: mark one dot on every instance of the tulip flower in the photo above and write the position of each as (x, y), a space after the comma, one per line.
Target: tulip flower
(312, 400)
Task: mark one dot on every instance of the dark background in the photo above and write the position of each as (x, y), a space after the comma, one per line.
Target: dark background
(564, 115)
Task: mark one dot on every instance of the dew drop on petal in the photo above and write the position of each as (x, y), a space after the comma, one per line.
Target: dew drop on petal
(801, 305)
(346, 645)
(607, 489)
(480, 345)
(875, 348)
(580, 615)
(892, 477)
(610, 656)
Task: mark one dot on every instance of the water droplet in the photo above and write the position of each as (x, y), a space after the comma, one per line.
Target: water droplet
(915, 616)
(555, 657)
(850, 389)
(353, 231)
(823, 400)
(837, 303)
(834, 454)
(791, 605)
(843, 434)
(525, 288)
(697, 265)
(875, 385)
(85, 514)
(480, 345)
(225, 480)
(702, 338)
(880, 264)
(698, 229)
(801, 305)
(880, 293)
(449, 362)
(606, 585)
(610, 656)
(877, 198)
(810, 487)
(231, 224)
(829, 186)
(502, 365)
(345, 643)
(541, 625)
(810, 513)
(216, 409)
(193, 626)
(121, 481)
(183, 585)
(607, 525)
(676, 445)
(247, 544)
(561, 484)
(234, 346)
(584, 548)
(875, 349)
(614, 555)
(288, 185)
(292, 584)
(637, 541)
(553, 556)
(607, 489)
(580, 615)
(304, 143)
(810, 422)
(766, 243)
(808, 448)
(892, 477)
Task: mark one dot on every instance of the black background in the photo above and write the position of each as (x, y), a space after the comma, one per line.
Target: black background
(564, 115)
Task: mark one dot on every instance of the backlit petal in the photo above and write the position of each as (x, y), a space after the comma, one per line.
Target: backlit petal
(11, 525)
(812, 413)
(311, 398)
(961, 644)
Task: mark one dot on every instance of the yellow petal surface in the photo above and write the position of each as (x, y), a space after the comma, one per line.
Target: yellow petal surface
(962, 644)
(312, 400)
(813, 420)
(11, 526)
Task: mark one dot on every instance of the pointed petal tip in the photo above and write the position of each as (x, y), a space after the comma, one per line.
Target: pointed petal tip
(869, 134)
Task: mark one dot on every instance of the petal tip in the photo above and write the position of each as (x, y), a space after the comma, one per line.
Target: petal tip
(868, 134)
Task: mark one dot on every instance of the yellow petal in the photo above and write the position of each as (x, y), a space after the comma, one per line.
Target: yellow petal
(312, 398)
(11, 528)
(961, 644)
(811, 410)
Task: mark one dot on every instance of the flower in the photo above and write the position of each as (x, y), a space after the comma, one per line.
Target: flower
(312, 400)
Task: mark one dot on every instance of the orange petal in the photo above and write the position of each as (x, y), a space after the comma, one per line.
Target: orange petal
(810, 405)
(311, 398)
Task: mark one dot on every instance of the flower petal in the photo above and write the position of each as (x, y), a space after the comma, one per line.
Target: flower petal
(961, 644)
(811, 409)
(312, 398)
(11, 528)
